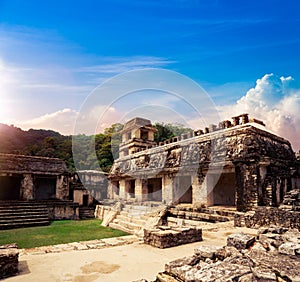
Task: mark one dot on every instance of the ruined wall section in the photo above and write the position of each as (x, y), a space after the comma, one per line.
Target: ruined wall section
(29, 168)
(261, 160)
(27, 164)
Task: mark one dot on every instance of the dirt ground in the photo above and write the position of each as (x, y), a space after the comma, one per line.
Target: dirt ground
(122, 263)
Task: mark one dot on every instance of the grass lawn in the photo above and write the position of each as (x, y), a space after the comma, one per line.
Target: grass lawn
(58, 232)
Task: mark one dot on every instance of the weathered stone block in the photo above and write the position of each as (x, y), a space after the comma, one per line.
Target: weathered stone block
(240, 240)
(172, 237)
(9, 260)
(264, 274)
(205, 252)
(289, 248)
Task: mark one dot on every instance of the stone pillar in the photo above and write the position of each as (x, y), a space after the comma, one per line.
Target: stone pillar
(167, 189)
(247, 175)
(122, 193)
(112, 190)
(62, 187)
(227, 123)
(141, 190)
(245, 118)
(212, 127)
(236, 121)
(27, 188)
(199, 190)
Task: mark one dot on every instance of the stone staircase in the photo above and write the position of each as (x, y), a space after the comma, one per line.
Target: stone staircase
(133, 218)
(184, 215)
(86, 212)
(16, 214)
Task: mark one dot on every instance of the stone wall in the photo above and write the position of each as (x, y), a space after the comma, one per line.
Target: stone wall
(62, 187)
(63, 210)
(9, 260)
(266, 216)
(28, 164)
(166, 237)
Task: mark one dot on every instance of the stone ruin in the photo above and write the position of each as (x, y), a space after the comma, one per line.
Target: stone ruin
(9, 260)
(274, 255)
(238, 163)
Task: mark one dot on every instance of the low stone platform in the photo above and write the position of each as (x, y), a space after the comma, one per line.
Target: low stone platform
(166, 237)
(83, 245)
(9, 260)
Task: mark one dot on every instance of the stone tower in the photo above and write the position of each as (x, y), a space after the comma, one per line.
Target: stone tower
(137, 135)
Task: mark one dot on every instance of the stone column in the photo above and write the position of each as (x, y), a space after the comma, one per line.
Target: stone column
(111, 190)
(27, 188)
(122, 192)
(262, 191)
(177, 193)
(236, 121)
(62, 187)
(139, 189)
(167, 188)
(247, 175)
(199, 190)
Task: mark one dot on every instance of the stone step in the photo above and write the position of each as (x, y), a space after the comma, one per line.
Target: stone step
(23, 216)
(130, 225)
(133, 214)
(23, 211)
(12, 225)
(174, 221)
(120, 227)
(200, 216)
(13, 208)
(131, 219)
(140, 209)
(23, 219)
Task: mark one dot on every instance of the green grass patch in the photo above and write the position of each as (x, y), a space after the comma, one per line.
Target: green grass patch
(58, 232)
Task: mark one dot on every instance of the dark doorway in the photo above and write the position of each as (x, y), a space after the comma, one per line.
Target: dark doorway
(116, 187)
(154, 189)
(45, 188)
(185, 190)
(131, 191)
(222, 193)
(85, 200)
(10, 188)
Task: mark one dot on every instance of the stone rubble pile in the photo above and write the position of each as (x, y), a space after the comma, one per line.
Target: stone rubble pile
(9, 260)
(292, 198)
(273, 256)
(266, 216)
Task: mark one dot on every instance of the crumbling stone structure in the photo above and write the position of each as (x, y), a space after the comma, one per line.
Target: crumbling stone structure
(88, 187)
(166, 237)
(272, 256)
(32, 178)
(9, 260)
(238, 163)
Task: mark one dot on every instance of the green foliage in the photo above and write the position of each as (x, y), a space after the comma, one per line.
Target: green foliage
(58, 232)
(168, 130)
(92, 152)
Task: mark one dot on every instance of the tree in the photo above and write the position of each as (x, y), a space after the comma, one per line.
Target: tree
(168, 130)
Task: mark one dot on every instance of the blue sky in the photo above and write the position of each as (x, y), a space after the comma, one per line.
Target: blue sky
(54, 53)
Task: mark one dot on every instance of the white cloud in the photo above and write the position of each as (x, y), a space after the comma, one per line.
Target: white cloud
(62, 121)
(118, 65)
(275, 102)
